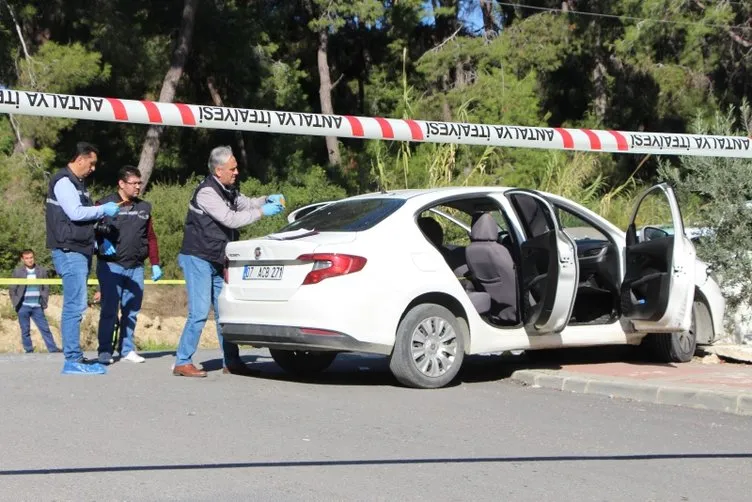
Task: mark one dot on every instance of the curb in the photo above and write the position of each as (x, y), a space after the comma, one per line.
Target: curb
(738, 403)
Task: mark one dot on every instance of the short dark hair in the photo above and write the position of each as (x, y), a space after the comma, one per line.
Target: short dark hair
(27, 251)
(126, 172)
(84, 149)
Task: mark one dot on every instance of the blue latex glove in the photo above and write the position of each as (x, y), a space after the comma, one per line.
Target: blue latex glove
(156, 273)
(111, 209)
(107, 248)
(272, 208)
(277, 198)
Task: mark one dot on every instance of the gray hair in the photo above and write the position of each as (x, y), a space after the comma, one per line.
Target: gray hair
(218, 156)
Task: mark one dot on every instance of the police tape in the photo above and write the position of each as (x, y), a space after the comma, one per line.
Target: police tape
(91, 282)
(347, 126)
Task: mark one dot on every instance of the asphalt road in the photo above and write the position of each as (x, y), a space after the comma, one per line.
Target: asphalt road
(139, 433)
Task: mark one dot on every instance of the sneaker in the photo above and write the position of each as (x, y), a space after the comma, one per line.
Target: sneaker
(133, 357)
(105, 358)
(80, 368)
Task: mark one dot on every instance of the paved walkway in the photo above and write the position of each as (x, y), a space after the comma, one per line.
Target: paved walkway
(720, 386)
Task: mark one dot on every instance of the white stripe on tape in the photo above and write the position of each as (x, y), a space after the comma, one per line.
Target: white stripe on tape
(311, 124)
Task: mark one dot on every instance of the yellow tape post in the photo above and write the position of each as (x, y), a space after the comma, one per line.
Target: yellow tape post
(91, 282)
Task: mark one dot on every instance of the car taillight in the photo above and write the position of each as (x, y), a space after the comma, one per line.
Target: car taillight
(327, 265)
(226, 272)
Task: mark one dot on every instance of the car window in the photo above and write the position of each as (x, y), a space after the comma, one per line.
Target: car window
(577, 228)
(532, 214)
(653, 218)
(347, 215)
(454, 223)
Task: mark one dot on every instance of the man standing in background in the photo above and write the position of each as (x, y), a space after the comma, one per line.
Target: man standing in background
(124, 241)
(215, 212)
(70, 222)
(30, 301)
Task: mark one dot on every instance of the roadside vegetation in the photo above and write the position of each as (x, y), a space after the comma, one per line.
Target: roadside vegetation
(653, 65)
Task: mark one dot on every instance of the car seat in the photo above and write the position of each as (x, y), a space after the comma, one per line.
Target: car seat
(492, 268)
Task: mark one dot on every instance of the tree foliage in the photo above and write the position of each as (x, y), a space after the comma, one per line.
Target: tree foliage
(655, 65)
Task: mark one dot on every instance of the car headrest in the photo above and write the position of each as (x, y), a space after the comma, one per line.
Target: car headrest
(485, 229)
(432, 230)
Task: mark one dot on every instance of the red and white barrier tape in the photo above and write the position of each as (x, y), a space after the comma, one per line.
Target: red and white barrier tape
(346, 126)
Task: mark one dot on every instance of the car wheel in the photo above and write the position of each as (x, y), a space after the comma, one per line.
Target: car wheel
(303, 362)
(674, 347)
(429, 347)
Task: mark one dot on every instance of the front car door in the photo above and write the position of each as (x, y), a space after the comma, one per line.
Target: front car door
(658, 287)
(549, 265)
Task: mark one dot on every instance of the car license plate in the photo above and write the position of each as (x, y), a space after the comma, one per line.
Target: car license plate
(263, 272)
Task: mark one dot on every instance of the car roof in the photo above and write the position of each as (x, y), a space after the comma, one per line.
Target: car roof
(418, 192)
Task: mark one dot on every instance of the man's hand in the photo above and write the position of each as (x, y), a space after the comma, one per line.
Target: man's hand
(156, 273)
(277, 198)
(111, 209)
(272, 208)
(107, 248)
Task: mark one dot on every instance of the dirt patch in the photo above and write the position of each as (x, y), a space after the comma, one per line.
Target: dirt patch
(160, 322)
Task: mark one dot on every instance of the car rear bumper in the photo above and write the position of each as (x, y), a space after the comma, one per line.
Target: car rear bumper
(297, 338)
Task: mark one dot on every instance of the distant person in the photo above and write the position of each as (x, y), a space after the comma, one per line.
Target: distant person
(70, 235)
(30, 302)
(215, 212)
(125, 241)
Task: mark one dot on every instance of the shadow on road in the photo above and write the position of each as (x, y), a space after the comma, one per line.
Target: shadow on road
(370, 462)
(367, 369)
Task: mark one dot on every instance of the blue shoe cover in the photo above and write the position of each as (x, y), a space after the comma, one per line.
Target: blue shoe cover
(76, 368)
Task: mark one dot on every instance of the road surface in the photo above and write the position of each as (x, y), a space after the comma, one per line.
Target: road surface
(139, 433)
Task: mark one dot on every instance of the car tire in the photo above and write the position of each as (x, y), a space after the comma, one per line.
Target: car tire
(303, 362)
(429, 347)
(674, 347)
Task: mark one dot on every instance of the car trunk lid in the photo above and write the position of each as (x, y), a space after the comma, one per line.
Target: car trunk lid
(268, 269)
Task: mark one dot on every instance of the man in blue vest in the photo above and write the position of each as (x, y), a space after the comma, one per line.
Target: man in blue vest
(70, 222)
(215, 212)
(124, 243)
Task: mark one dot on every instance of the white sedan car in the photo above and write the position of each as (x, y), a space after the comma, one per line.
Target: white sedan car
(428, 276)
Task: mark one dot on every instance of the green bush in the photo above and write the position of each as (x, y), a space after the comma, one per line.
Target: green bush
(724, 187)
(170, 205)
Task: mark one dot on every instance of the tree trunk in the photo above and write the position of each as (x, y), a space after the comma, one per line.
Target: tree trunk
(600, 83)
(169, 86)
(490, 28)
(217, 100)
(325, 94)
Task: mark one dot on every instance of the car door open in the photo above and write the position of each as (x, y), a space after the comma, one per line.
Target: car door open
(549, 269)
(658, 286)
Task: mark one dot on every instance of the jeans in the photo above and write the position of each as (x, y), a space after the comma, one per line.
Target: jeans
(123, 287)
(203, 282)
(73, 268)
(25, 315)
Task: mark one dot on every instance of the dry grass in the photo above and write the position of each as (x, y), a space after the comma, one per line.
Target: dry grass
(160, 322)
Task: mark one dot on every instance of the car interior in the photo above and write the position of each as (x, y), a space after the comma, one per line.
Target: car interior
(473, 237)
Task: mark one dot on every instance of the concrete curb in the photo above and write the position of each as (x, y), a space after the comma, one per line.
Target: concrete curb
(729, 401)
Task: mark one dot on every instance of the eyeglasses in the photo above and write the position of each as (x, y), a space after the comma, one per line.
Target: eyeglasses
(133, 182)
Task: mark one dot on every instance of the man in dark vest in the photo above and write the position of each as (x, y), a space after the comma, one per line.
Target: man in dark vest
(70, 235)
(215, 212)
(124, 243)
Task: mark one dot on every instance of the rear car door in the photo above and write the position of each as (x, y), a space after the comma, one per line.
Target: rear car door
(658, 287)
(549, 268)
